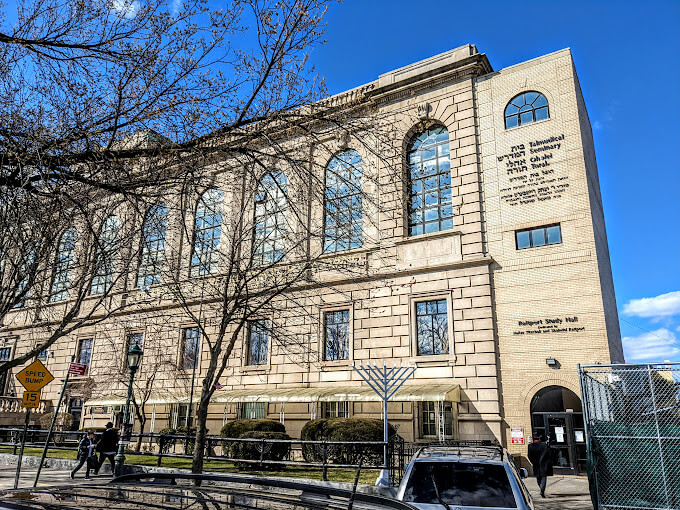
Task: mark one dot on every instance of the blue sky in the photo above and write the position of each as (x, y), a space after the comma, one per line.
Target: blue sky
(627, 56)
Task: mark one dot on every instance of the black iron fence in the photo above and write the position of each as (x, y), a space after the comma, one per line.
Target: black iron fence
(244, 453)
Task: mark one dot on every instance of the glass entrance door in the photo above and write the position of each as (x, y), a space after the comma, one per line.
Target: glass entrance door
(559, 441)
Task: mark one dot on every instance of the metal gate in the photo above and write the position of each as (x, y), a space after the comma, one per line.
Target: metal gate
(632, 419)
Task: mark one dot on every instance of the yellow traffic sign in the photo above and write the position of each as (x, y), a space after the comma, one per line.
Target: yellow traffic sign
(35, 376)
(31, 399)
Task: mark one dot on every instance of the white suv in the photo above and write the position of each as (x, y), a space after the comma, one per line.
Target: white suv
(464, 476)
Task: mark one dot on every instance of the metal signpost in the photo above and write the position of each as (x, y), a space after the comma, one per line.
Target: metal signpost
(34, 377)
(75, 369)
(385, 382)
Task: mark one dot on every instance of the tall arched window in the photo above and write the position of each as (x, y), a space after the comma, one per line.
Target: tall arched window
(526, 108)
(207, 232)
(105, 256)
(271, 203)
(153, 246)
(343, 203)
(430, 207)
(62, 266)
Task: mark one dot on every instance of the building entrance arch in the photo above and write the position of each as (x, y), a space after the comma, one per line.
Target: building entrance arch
(557, 417)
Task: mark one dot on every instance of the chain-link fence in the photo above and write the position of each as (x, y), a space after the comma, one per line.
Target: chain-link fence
(632, 415)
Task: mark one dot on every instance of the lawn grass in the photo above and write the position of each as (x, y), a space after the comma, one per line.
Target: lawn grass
(367, 476)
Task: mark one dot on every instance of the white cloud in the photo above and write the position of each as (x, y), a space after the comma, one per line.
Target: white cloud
(664, 305)
(654, 346)
(126, 8)
(597, 125)
(176, 6)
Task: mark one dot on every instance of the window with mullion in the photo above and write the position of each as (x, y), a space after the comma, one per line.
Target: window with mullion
(85, 353)
(153, 246)
(190, 348)
(105, 256)
(538, 236)
(258, 342)
(343, 210)
(430, 208)
(63, 265)
(336, 334)
(432, 330)
(526, 108)
(271, 204)
(207, 233)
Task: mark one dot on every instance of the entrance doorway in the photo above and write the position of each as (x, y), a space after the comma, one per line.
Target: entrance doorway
(556, 416)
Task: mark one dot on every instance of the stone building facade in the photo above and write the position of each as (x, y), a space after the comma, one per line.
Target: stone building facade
(493, 279)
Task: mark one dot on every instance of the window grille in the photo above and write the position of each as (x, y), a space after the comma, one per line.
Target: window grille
(432, 327)
(207, 233)
(105, 256)
(63, 266)
(271, 203)
(343, 213)
(153, 246)
(526, 108)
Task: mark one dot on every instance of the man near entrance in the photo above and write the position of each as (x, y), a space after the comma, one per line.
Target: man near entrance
(541, 462)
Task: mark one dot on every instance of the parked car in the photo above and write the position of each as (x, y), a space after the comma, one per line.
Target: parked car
(464, 476)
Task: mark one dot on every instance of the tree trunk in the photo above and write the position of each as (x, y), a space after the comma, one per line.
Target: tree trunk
(142, 423)
(201, 432)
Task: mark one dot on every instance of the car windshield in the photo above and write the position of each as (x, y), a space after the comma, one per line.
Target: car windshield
(460, 483)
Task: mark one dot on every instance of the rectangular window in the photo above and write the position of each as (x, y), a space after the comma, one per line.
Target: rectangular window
(42, 355)
(432, 327)
(5, 355)
(180, 414)
(85, 352)
(253, 411)
(258, 343)
(538, 236)
(190, 348)
(335, 409)
(430, 416)
(336, 332)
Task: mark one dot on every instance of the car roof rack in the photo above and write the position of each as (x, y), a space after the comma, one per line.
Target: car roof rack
(484, 448)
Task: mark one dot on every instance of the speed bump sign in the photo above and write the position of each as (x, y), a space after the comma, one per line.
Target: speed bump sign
(35, 376)
(31, 399)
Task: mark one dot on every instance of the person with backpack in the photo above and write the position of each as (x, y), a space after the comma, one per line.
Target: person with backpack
(107, 447)
(85, 455)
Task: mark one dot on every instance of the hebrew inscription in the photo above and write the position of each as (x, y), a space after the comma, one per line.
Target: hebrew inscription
(530, 172)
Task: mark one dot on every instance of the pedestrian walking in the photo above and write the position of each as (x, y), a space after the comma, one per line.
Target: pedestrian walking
(539, 456)
(85, 455)
(107, 448)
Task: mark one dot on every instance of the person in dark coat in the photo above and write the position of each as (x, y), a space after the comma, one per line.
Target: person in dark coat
(86, 455)
(107, 447)
(539, 456)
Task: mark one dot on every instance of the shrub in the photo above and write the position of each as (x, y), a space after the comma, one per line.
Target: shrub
(251, 451)
(64, 422)
(165, 446)
(237, 427)
(344, 429)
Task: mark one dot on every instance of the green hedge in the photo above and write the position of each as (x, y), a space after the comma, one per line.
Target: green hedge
(344, 429)
(238, 427)
(251, 451)
(170, 442)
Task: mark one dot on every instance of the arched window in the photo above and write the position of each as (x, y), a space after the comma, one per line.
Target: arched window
(207, 231)
(429, 207)
(62, 266)
(105, 256)
(343, 203)
(526, 108)
(271, 203)
(153, 246)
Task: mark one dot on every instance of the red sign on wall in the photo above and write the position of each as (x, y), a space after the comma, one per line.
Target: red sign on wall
(77, 369)
(517, 435)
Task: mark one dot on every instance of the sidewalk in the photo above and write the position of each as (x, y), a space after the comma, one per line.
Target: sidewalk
(562, 493)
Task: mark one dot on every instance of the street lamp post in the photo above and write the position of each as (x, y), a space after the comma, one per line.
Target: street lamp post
(134, 358)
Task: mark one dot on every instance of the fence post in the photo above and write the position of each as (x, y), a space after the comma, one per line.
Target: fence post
(161, 446)
(262, 453)
(324, 452)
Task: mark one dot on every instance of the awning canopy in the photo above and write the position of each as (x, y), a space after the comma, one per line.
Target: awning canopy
(407, 393)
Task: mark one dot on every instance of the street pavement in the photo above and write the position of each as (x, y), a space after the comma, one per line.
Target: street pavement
(563, 492)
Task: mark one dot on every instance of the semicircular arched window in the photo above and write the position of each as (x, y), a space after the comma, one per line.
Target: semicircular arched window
(207, 233)
(104, 265)
(343, 210)
(429, 176)
(63, 264)
(153, 246)
(271, 203)
(526, 108)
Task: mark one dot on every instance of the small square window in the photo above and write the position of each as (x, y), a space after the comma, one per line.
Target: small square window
(432, 327)
(554, 234)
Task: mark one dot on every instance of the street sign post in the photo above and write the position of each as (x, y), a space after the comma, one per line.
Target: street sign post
(31, 399)
(34, 377)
